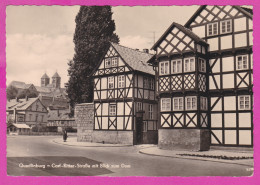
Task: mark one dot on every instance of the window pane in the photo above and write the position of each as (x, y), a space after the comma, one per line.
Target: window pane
(186, 65)
(215, 28)
(192, 65)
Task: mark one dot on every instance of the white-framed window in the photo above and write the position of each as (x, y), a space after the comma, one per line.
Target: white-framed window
(178, 103)
(139, 106)
(202, 65)
(189, 64)
(151, 83)
(213, 29)
(244, 102)
(203, 103)
(191, 103)
(176, 66)
(242, 62)
(164, 68)
(165, 104)
(112, 110)
(107, 62)
(150, 111)
(226, 26)
(111, 82)
(121, 81)
(145, 125)
(36, 117)
(114, 61)
(146, 85)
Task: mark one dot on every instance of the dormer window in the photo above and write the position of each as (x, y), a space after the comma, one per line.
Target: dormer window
(212, 29)
(226, 26)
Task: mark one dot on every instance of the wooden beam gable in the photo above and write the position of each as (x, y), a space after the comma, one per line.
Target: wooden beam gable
(209, 14)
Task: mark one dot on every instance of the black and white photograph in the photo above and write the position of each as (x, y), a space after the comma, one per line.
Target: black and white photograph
(129, 91)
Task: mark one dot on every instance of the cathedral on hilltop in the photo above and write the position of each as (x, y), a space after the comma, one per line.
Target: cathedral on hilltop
(50, 94)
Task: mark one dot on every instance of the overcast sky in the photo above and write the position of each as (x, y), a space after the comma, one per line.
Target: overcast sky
(40, 38)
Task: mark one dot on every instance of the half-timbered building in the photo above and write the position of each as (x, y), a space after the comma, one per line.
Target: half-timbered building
(204, 76)
(124, 96)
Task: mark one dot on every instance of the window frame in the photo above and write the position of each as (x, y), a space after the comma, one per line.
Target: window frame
(221, 26)
(180, 67)
(201, 61)
(139, 106)
(164, 106)
(208, 29)
(110, 107)
(114, 61)
(150, 111)
(203, 103)
(180, 106)
(244, 102)
(191, 103)
(106, 62)
(121, 81)
(189, 64)
(111, 82)
(242, 62)
(163, 72)
(145, 126)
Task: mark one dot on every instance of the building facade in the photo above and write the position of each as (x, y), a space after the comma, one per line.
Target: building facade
(29, 111)
(204, 77)
(125, 105)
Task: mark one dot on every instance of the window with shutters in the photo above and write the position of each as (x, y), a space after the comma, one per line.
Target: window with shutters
(212, 29)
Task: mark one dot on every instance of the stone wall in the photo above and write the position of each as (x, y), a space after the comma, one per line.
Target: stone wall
(184, 139)
(117, 137)
(84, 118)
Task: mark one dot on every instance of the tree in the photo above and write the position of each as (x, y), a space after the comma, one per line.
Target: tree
(27, 93)
(11, 92)
(94, 29)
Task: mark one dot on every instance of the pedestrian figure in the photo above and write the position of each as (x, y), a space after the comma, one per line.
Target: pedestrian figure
(65, 136)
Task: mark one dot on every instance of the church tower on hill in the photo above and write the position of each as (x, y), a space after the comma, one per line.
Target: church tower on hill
(45, 80)
(56, 79)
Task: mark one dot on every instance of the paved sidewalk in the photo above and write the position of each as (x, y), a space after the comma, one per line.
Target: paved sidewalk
(214, 155)
(211, 155)
(72, 141)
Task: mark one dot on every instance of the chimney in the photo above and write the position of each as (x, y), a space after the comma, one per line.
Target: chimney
(146, 50)
(137, 49)
(26, 98)
(17, 99)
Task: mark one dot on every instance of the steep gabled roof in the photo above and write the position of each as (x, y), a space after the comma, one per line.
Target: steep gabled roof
(21, 104)
(137, 60)
(246, 11)
(186, 31)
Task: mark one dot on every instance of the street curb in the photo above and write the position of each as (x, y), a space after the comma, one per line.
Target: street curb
(88, 146)
(195, 158)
